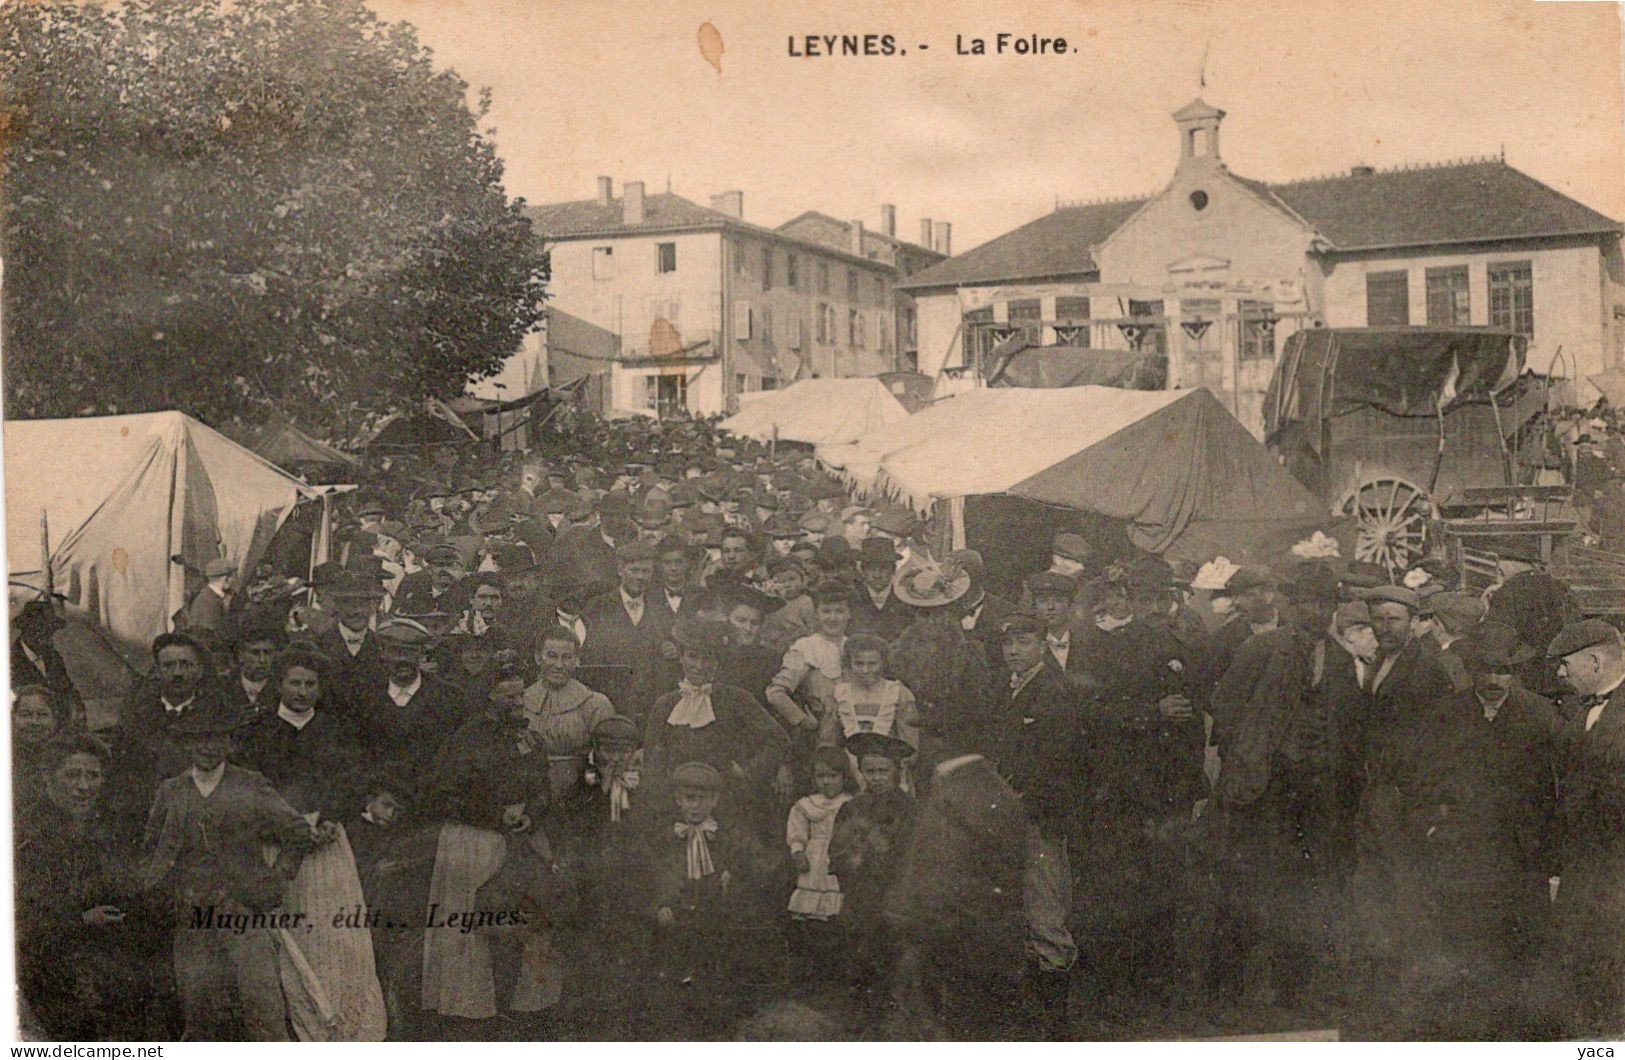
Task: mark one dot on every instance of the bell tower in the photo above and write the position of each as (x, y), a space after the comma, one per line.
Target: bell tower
(1198, 132)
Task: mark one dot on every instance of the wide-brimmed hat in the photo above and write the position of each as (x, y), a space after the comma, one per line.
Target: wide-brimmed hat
(218, 567)
(929, 586)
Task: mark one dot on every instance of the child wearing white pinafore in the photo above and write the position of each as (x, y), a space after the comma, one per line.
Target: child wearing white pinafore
(865, 700)
(811, 825)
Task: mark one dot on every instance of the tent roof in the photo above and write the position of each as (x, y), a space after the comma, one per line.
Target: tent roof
(69, 468)
(817, 411)
(287, 444)
(1185, 475)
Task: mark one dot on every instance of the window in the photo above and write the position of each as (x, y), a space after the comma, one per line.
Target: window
(741, 268)
(978, 336)
(767, 268)
(823, 277)
(603, 263)
(793, 340)
(1155, 337)
(769, 383)
(666, 395)
(1072, 322)
(854, 329)
(826, 323)
(791, 272)
(665, 257)
(1512, 297)
(764, 324)
(851, 285)
(741, 383)
(906, 326)
(822, 326)
(1387, 299)
(1028, 315)
(742, 321)
(1447, 296)
(1257, 330)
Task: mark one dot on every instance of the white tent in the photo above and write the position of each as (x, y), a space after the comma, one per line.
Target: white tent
(858, 463)
(817, 411)
(1174, 465)
(122, 495)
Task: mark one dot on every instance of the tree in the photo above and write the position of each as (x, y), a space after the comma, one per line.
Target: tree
(247, 209)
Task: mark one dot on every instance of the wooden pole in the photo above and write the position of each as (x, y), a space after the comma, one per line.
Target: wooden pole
(45, 554)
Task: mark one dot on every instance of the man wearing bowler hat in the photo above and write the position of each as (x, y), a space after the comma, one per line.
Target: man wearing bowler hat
(207, 610)
(1589, 935)
(875, 608)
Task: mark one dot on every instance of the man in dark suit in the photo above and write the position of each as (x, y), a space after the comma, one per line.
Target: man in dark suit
(875, 608)
(207, 610)
(245, 687)
(35, 660)
(351, 644)
(674, 568)
(145, 749)
(625, 632)
(1589, 930)
(1408, 688)
(1052, 595)
(435, 588)
(402, 714)
(1252, 593)
(980, 612)
(584, 551)
(1042, 763)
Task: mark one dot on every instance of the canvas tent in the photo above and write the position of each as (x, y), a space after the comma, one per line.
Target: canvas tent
(1180, 471)
(817, 411)
(122, 495)
(286, 445)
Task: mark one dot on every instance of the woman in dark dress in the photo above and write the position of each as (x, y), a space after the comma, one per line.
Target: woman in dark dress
(304, 747)
(84, 945)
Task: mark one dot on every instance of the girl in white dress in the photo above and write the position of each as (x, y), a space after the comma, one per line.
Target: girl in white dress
(812, 822)
(866, 700)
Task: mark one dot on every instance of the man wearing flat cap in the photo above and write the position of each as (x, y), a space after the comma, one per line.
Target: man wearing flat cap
(1453, 615)
(351, 645)
(146, 750)
(402, 713)
(1272, 799)
(1589, 929)
(1408, 686)
(1253, 595)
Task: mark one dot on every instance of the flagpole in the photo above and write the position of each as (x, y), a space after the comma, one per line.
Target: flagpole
(45, 553)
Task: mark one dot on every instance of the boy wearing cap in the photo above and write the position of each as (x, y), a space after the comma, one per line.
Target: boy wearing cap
(708, 877)
(872, 831)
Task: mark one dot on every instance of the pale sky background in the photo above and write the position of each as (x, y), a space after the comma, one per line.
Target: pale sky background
(589, 87)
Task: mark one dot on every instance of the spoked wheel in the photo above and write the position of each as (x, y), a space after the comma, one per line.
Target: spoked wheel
(1391, 515)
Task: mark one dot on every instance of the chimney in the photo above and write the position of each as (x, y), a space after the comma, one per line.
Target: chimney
(731, 203)
(632, 202)
(925, 232)
(945, 234)
(857, 237)
(606, 191)
(888, 219)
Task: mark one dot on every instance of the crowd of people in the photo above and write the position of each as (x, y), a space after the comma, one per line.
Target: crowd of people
(649, 729)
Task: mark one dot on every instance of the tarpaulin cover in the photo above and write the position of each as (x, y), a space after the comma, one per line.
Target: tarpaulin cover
(1413, 371)
(1179, 469)
(817, 411)
(287, 445)
(125, 493)
(857, 463)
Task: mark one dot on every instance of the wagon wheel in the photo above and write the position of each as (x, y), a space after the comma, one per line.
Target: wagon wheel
(1391, 515)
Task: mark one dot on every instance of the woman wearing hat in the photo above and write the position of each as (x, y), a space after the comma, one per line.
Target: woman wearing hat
(703, 721)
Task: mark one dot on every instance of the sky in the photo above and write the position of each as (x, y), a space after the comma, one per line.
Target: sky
(583, 88)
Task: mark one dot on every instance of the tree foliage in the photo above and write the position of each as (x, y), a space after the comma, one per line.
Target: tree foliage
(248, 208)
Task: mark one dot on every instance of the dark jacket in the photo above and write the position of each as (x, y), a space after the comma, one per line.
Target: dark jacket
(743, 734)
(1047, 761)
(319, 767)
(480, 770)
(628, 655)
(870, 839)
(407, 738)
(52, 672)
(887, 621)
